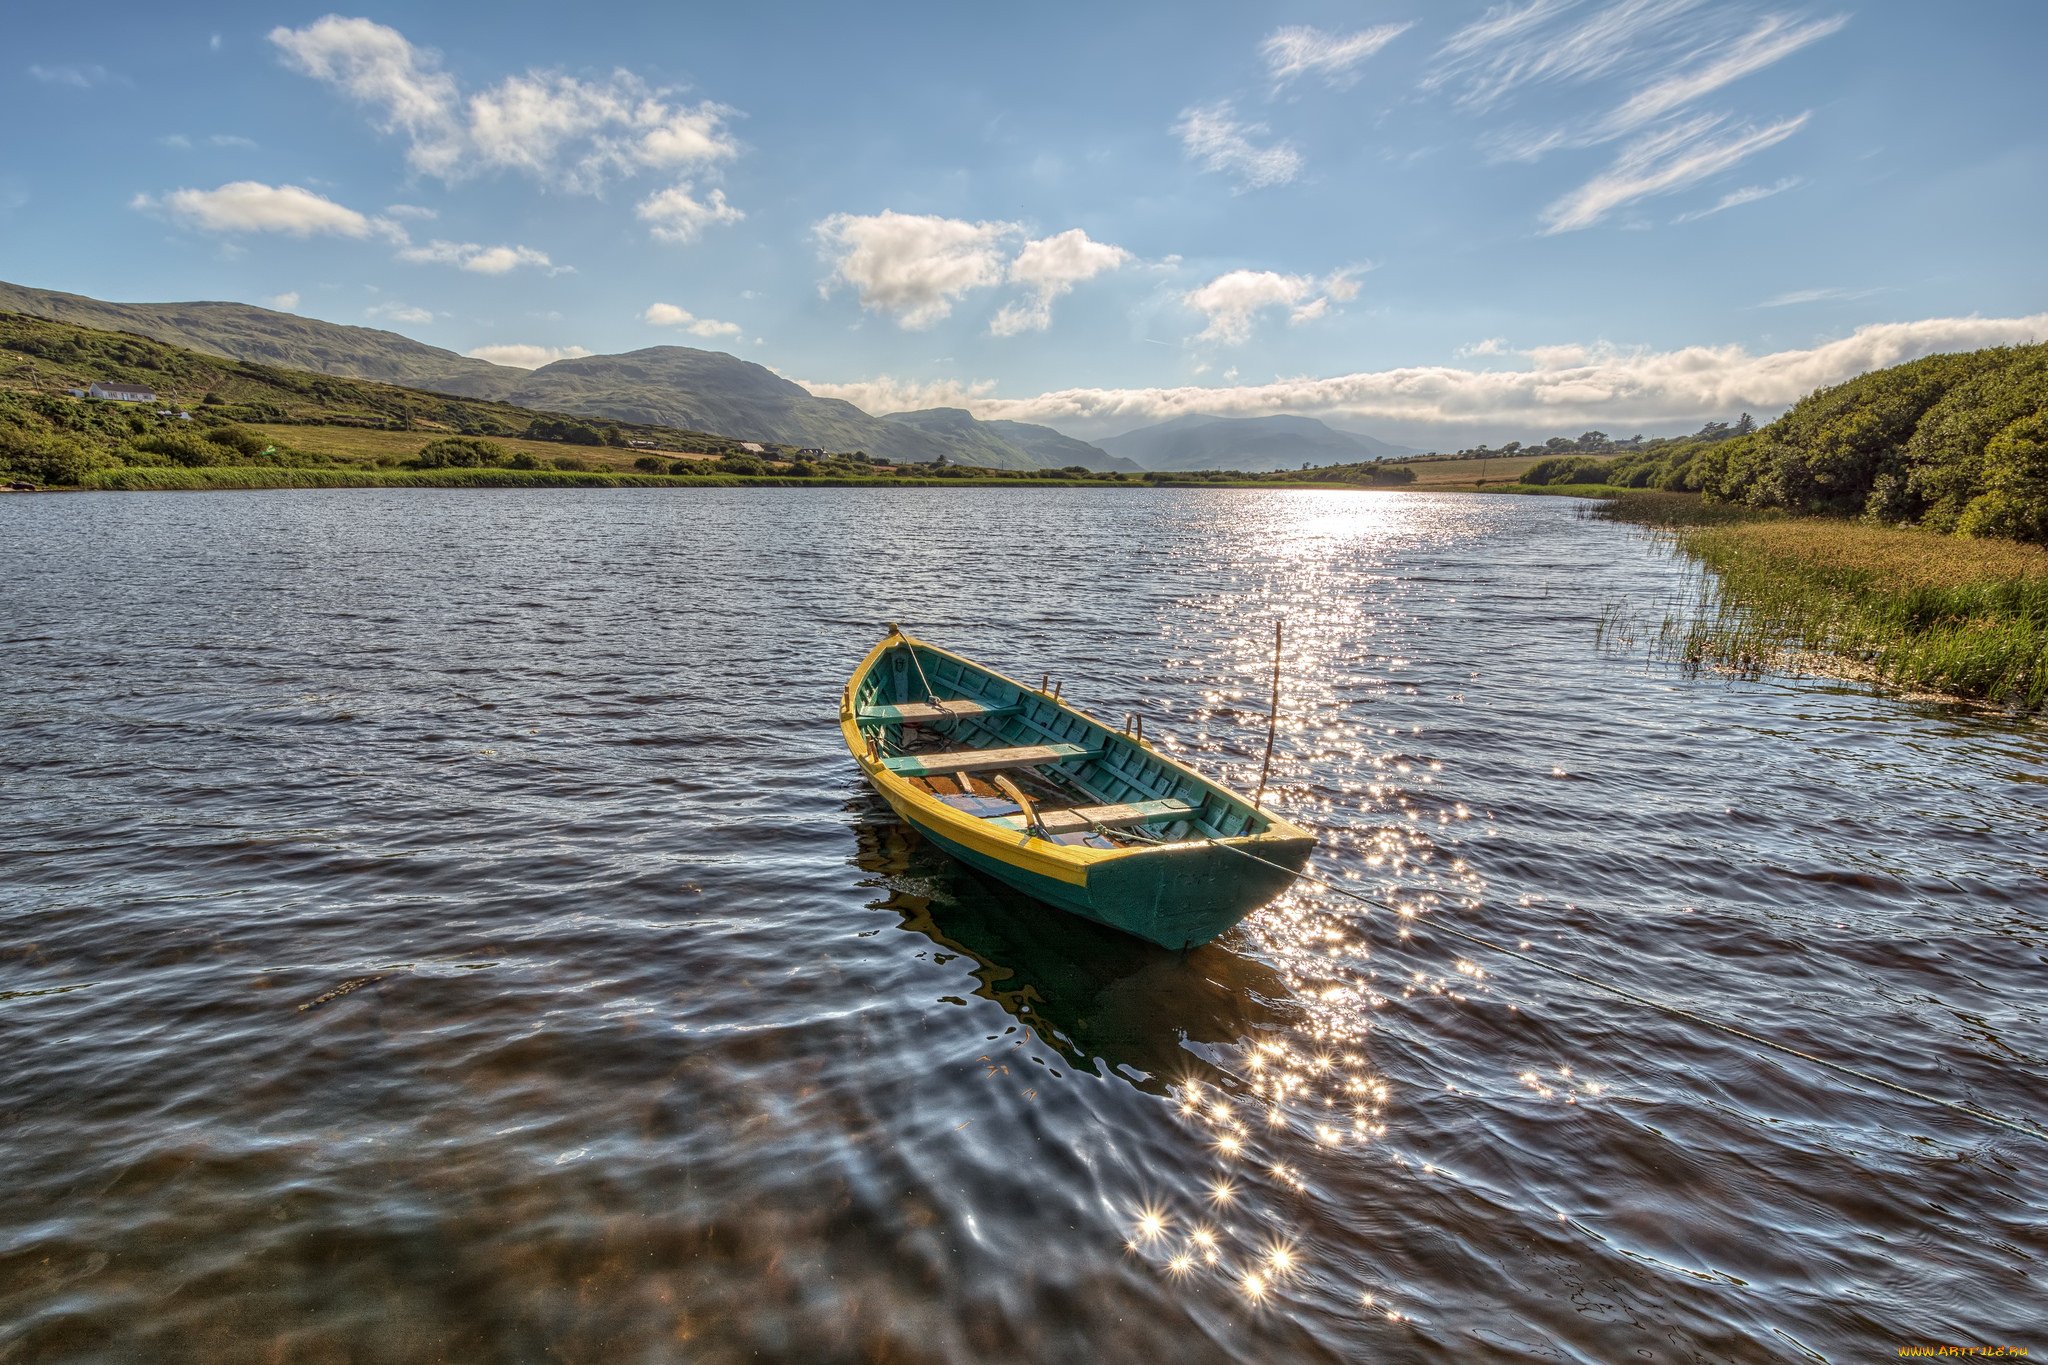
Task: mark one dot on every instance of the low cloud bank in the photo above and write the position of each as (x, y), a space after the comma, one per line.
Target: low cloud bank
(1557, 387)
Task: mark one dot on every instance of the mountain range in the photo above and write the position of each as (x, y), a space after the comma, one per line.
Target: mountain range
(1252, 444)
(685, 388)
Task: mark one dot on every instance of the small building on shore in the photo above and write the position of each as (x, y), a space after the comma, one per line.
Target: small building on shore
(121, 393)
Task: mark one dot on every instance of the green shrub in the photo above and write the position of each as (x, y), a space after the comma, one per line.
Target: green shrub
(1567, 469)
(460, 452)
(241, 440)
(50, 458)
(182, 448)
(650, 464)
(572, 463)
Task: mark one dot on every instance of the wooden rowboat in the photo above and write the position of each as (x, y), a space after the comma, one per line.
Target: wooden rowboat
(1018, 785)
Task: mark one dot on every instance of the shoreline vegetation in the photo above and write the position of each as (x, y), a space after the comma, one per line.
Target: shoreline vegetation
(1907, 607)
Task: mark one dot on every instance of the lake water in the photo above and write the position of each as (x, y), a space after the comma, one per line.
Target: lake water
(448, 926)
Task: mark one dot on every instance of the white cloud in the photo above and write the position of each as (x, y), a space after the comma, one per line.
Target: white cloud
(1050, 267)
(1212, 137)
(1748, 194)
(413, 211)
(231, 140)
(395, 311)
(1233, 301)
(912, 266)
(668, 315)
(675, 215)
(78, 77)
(886, 394)
(376, 66)
(1487, 346)
(480, 259)
(251, 206)
(521, 356)
(175, 141)
(213, 43)
(286, 301)
(559, 129)
(1663, 162)
(1594, 385)
(1301, 50)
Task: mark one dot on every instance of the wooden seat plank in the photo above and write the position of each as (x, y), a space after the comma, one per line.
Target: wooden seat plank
(1103, 817)
(985, 760)
(917, 712)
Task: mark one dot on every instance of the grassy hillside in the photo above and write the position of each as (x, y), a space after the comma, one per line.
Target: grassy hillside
(675, 387)
(221, 423)
(1055, 449)
(48, 436)
(679, 386)
(242, 331)
(967, 440)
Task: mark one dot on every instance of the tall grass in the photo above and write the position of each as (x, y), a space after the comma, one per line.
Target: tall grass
(1919, 610)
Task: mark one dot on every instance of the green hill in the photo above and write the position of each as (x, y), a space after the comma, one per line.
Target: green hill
(50, 436)
(683, 387)
(1008, 445)
(241, 331)
(1950, 442)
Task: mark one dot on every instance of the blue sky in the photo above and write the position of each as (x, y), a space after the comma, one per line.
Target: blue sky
(1426, 221)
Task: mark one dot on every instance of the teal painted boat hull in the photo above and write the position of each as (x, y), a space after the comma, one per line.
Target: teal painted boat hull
(1177, 897)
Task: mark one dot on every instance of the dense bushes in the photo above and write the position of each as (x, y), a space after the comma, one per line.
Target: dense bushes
(1950, 442)
(460, 452)
(1568, 469)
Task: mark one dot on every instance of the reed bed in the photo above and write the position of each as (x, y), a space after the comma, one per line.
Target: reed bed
(1914, 609)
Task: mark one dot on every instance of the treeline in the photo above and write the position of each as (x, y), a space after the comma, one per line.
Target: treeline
(1954, 443)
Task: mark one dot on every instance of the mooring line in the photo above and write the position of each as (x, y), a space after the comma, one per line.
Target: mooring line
(1675, 1011)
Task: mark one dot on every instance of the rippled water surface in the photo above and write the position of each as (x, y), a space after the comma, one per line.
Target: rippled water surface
(448, 926)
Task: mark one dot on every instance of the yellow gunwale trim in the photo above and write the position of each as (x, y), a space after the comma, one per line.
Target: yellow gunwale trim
(1063, 862)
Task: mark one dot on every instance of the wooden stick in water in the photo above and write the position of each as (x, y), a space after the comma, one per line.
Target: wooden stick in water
(1272, 719)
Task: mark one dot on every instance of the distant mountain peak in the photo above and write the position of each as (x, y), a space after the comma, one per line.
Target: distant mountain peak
(1253, 444)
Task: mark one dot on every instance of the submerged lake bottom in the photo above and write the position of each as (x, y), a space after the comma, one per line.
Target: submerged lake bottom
(446, 924)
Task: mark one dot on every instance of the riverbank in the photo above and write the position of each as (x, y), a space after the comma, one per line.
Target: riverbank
(1910, 608)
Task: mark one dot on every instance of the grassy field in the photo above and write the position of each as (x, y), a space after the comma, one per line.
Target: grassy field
(1441, 476)
(1915, 609)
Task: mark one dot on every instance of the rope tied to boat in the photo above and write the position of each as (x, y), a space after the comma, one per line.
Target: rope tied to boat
(1674, 1011)
(930, 694)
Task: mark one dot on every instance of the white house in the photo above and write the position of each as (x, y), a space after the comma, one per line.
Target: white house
(121, 393)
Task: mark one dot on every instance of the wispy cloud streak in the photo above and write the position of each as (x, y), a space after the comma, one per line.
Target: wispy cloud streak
(1735, 199)
(1664, 162)
(1301, 51)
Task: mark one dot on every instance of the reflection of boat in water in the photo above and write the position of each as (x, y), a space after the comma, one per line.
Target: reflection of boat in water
(1018, 785)
(1091, 994)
